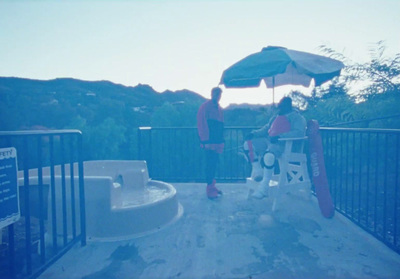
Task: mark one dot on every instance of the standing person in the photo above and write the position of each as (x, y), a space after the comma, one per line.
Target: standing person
(288, 123)
(210, 127)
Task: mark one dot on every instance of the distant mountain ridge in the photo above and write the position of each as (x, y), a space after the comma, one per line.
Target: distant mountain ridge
(141, 94)
(55, 103)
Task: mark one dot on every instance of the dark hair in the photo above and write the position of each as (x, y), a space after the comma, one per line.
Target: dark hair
(216, 90)
(285, 105)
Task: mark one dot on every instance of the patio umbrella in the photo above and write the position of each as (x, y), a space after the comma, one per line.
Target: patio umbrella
(280, 66)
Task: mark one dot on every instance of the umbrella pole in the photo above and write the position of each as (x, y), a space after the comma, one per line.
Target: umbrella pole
(273, 90)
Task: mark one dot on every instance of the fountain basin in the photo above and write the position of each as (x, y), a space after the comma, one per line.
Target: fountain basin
(121, 200)
(138, 213)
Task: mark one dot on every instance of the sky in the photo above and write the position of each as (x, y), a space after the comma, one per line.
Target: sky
(187, 44)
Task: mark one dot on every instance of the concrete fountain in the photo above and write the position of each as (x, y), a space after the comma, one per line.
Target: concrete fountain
(121, 200)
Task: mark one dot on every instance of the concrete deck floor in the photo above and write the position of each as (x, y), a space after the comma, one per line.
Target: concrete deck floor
(235, 237)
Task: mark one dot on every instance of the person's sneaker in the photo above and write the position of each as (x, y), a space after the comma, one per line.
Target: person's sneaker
(261, 192)
(212, 191)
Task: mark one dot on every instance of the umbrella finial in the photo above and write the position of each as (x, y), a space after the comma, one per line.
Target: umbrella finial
(268, 48)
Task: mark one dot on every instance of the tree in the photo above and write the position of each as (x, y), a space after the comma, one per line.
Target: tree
(364, 91)
(103, 141)
(165, 116)
(379, 75)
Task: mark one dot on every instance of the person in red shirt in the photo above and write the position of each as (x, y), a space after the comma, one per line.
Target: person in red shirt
(263, 147)
(210, 127)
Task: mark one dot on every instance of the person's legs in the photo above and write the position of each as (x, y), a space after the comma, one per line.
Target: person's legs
(212, 159)
(211, 165)
(253, 159)
(253, 150)
(268, 163)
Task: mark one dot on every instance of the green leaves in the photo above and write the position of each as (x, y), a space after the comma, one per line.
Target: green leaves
(379, 75)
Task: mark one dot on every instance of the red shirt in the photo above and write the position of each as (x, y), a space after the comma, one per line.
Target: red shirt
(210, 126)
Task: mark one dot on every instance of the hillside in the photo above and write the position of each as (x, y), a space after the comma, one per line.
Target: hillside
(55, 104)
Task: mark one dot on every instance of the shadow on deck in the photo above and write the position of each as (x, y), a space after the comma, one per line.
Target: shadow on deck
(235, 237)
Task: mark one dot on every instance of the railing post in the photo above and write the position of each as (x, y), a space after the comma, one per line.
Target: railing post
(139, 143)
(42, 201)
(81, 191)
(63, 192)
(53, 195)
(28, 235)
(143, 150)
(72, 179)
(11, 250)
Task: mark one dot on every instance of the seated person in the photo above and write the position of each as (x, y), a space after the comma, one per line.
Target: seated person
(263, 147)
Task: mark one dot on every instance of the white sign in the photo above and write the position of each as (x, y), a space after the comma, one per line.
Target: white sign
(9, 198)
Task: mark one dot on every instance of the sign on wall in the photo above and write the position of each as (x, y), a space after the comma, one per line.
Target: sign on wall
(9, 201)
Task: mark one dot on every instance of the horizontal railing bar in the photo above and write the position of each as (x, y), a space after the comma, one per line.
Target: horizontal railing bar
(38, 132)
(361, 130)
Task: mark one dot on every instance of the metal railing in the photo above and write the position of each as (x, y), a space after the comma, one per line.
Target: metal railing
(363, 171)
(362, 168)
(174, 154)
(44, 157)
